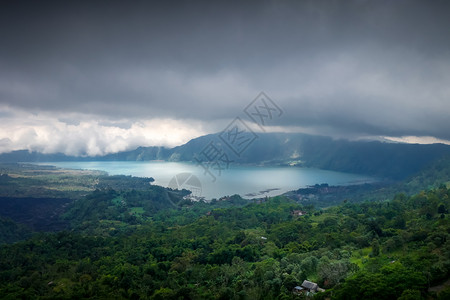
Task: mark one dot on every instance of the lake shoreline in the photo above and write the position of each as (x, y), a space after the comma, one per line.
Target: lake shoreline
(247, 181)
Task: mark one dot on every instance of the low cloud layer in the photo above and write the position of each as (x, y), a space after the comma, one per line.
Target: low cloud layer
(89, 135)
(108, 76)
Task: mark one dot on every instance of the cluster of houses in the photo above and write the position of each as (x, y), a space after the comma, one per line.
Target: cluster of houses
(298, 213)
(307, 288)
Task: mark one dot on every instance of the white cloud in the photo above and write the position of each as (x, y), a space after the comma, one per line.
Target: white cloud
(92, 135)
(417, 140)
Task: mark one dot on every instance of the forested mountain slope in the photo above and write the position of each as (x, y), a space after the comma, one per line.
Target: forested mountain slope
(380, 250)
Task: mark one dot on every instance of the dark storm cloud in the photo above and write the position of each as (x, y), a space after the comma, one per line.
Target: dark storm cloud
(341, 67)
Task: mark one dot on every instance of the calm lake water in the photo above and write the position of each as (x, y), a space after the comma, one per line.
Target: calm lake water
(247, 181)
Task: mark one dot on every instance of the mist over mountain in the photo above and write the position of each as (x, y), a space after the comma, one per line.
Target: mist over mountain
(381, 159)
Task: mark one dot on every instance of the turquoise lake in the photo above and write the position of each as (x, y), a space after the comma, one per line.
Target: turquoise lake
(247, 181)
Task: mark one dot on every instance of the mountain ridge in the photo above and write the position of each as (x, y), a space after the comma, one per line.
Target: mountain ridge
(375, 158)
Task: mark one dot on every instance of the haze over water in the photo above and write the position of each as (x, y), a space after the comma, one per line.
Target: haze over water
(247, 181)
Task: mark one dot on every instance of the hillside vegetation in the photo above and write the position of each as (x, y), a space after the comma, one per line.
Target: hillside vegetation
(381, 250)
(120, 237)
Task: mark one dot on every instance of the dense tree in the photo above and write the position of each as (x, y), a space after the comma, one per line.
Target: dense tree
(370, 250)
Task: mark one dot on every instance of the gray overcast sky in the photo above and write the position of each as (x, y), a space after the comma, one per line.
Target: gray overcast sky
(92, 77)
